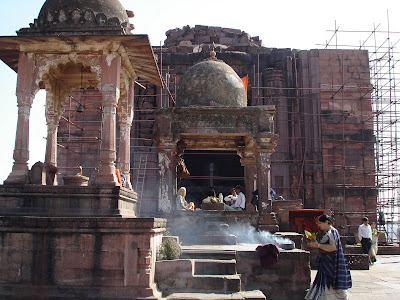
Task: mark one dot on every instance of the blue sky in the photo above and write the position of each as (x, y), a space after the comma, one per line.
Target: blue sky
(293, 24)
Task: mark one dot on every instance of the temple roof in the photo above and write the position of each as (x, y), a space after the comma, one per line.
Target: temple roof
(211, 83)
(80, 17)
(137, 47)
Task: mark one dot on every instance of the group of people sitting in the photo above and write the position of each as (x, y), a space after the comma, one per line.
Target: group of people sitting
(236, 201)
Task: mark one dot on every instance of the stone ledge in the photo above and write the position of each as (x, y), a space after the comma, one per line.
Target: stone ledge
(79, 292)
(61, 224)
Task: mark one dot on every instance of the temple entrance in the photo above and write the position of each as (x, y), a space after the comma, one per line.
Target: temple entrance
(211, 171)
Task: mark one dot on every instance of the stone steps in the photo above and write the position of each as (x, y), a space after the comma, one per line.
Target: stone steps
(244, 295)
(209, 254)
(206, 274)
(214, 267)
(219, 283)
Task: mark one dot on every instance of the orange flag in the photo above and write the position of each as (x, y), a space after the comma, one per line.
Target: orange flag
(245, 80)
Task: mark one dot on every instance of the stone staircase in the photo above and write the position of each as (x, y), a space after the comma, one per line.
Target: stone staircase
(206, 275)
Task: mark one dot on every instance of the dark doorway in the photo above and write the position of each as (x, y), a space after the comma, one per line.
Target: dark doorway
(211, 169)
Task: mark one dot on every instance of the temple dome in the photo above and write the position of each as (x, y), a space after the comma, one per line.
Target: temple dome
(211, 83)
(81, 17)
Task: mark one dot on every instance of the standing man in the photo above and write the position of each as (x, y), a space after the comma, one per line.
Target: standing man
(240, 200)
(365, 235)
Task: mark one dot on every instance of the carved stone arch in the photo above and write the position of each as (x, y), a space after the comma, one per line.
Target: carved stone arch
(61, 78)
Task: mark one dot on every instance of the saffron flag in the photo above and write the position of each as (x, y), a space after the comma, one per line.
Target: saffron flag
(245, 80)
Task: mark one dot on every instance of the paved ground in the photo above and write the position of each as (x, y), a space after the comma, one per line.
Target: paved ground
(380, 282)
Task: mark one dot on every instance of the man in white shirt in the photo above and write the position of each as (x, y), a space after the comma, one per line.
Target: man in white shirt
(240, 200)
(365, 235)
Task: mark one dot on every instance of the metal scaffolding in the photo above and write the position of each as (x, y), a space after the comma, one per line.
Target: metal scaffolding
(381, 44)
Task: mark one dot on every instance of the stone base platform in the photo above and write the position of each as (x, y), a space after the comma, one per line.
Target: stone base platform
(85, 258)
(42, 200)
(288, 279)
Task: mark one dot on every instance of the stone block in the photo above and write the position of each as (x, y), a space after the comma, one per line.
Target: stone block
(201, 33)
(233, 31)
(202, 39)
(76, 260)
(173, 274)
(214, 267)
(216, 29)
(200, 27)
(185, 43)
(226, 41)
(113, 259)
(287, 279)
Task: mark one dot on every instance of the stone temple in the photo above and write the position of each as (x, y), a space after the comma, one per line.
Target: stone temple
(122, 115)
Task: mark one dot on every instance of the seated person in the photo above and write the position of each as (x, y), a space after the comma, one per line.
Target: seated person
(230, 199)
(240, 200)
(181, 202)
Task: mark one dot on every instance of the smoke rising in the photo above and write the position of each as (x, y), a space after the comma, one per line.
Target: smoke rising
(245, 233)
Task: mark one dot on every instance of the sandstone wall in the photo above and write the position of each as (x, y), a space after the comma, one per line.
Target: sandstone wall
(68, 258)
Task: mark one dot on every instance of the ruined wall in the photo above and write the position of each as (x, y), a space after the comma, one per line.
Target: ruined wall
(199, 38)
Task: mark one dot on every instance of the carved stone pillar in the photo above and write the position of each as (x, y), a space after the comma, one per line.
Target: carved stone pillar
(51, 144)
(25, 94)
(125, 115)
(250, 177)
(124, 163)
(167, 160)
(263, 180)
(110, 92)
(266, 144)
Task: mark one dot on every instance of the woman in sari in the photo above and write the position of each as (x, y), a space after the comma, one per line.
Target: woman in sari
(373, 251)
(333, 276)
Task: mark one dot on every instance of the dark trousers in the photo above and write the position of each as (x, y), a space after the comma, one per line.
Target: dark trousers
(366, 245)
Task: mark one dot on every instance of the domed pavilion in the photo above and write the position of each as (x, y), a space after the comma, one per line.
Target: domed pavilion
(81, 238)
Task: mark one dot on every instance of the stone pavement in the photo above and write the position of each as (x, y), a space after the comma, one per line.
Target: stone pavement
(380, 282)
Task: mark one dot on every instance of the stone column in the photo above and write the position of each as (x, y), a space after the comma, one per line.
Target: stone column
(125, 115)
(167, 160)
(51, 144)
(266, 143)
(263, 179)
(25, 94)
(250, 176)
(124, 163)
(110, 81)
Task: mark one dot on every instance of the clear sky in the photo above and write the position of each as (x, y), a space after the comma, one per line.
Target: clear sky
(280, 24)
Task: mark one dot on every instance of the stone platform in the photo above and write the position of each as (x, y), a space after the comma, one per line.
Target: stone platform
(79, 201)
(85, 258)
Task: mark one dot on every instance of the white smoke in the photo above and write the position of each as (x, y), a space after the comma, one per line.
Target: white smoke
(245, 233)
